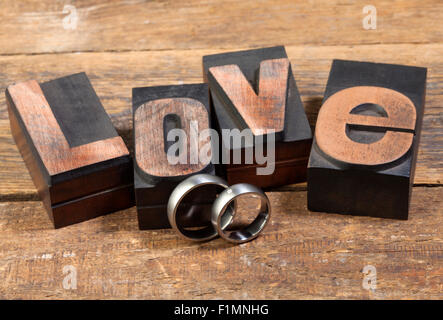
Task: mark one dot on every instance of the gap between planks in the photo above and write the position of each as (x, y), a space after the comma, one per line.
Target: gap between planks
(221, 49)
(22, 197)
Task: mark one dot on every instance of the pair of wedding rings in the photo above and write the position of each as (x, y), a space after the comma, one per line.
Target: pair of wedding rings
(222, 212)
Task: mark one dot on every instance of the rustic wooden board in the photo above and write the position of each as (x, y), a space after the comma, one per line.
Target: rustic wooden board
(38, 27)
(300, 255)
(126, 44)
(311, 68)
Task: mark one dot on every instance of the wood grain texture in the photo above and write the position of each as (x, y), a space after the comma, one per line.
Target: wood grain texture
(38, 27)
(262, 111)
(147, 43)
(48, 138)
(299, 255)
(151, 155)
(166, 67)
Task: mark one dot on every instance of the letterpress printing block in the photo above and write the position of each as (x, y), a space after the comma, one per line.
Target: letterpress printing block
(79, 164)
(181, 113)
(254, 92)
(366, 140)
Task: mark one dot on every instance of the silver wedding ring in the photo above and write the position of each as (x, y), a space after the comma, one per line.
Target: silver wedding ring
(222, 213)
(180, 192)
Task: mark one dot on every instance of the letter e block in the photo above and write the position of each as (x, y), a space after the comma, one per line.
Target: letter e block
(366, 140)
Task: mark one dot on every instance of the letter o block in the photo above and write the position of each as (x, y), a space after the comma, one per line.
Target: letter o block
(366, 140)
(167, 123)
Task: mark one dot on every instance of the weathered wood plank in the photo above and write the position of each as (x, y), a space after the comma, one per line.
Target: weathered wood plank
(113, 76)
(41, 27)
(300, 255)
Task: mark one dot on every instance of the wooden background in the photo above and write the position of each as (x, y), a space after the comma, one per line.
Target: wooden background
(125, 44)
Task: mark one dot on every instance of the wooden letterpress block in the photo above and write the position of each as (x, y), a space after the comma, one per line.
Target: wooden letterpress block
(79, 164)
(366, 140)
(256, 90)
(156, 112)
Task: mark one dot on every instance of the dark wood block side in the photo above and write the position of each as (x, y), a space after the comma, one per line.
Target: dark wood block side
(191, 215)
(357, 192)
(290, 167)
(39, 178)
(92, 206)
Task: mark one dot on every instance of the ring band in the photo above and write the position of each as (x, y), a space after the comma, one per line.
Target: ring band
(221, 217)
(180, 192)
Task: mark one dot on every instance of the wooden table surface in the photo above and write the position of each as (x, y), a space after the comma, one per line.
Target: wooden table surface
(301, 254)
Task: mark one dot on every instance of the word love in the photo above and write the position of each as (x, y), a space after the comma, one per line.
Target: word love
(245, 122)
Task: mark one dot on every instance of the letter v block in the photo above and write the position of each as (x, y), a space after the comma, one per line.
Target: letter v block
(79, 164)
(366, 140)
(255, 100)
(169, 122)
